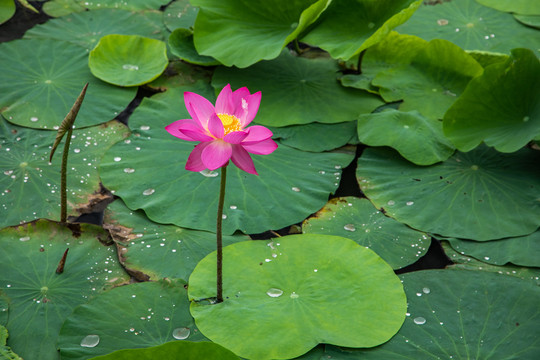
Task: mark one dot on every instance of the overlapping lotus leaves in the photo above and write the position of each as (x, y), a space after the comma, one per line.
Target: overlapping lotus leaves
(284, 297)
(417, 138)
(243, 32)
(360, 24)
(86, 28)
(58, 8)
(522, 251)
(181, 45)
(298, 90)
(5, 351)
(471, 26)
(7, 10)
(461, 314)
(509, 117)
(180, 14)
(129, 317)
(151, 176)
(525, 7)
(128, 60)
(435, 77)
(358, 220)
(41, 79)
(174, 350)
(486, 58)
(316, 137)
(142, 241)
(41, 298)
(479, 195)
(30, 184)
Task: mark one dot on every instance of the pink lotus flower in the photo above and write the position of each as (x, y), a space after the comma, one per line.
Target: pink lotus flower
(222, 130)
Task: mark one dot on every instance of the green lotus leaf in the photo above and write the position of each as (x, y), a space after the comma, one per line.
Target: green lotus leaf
(486, 58)
(128, 60)
(314, 137)
(282, 298)
(457, 314)
(42, 298)
(291, 184)
(86, 28)
(243, 32)
(41, 79)
(181, 45)
(7, 10)
(433, 80)
(417, 138)
(479, 195)
(141, 241)
(4, 309)
(465, 262)
(358, 220)
(298, 91)
(30, 184)
(5, 351)
(128, 317)
(471, 26)
(522, 251)
(180, 14)
(57, 8)
(360, 24)
(525, 7)
(173, 350)
(180, 73)
(529, 20)
(509, 117)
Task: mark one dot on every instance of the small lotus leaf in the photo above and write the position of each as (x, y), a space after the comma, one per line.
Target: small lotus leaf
(174, 350)
(525, 7)
(5, 351)
(316, 137)
(436, 76)
(417, 138)
(180, 14)
(243, 32)
(129, 317)
(7, 10)
(141, 241)
(358, 220)
(360, 24)
(128, 60)
(297, 90)
(42, 298)
(480, 195)
(181, 45)
(501, 107)
(282, 298)
(41, 78)
(458, 314)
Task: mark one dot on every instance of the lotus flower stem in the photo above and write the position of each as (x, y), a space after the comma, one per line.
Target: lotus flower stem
(63, 179)
(219, 235)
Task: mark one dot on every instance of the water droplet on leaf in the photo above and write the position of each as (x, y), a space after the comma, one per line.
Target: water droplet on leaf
(181, 333)
(273, 292)
(90, 341)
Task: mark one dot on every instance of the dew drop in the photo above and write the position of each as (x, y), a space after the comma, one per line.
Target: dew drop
(223, 216)
(130, 67)
(117, 158)
(233, 207)
(294, 188)
(409, 203)
(486, 257)
(273, 292)
(76, 151)
(419, 320)
(34, 119)
(90, 341)
(391, 202)
(442, 22)
(144, 127)
(148, 191)
(350, 227)
(26, 238)
(181, 333)
(426, 290)
(294, 295)
(209, 173)
(129, 170)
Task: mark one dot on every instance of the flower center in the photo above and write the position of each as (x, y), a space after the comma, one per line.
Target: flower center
(230, 123)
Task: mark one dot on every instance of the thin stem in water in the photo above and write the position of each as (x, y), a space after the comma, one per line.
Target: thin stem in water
(219, 234)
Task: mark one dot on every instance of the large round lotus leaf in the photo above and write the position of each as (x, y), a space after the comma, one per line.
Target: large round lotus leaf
(243, 32)
(142, 241)
(316, 137)
(479, 195)
(471, 26)
(58, 8)
(523, 250)
(128, 60)
(174, 350)
(417, 138)
(86, 28)
(5, 351)
(457, 314)
(40, 80)
(284, 297)
(509, 117)
(358, 220)
(40, 298)
(360, 24)
(465, 262)
(436, 76)
(291, 185)
(526, 7)
(128, 317)
(180, 14)
(181, 45)
(298, 91)
(7, 10)
(30, 184)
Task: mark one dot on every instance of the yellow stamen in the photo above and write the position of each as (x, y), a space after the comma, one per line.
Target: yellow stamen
(230, 123)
